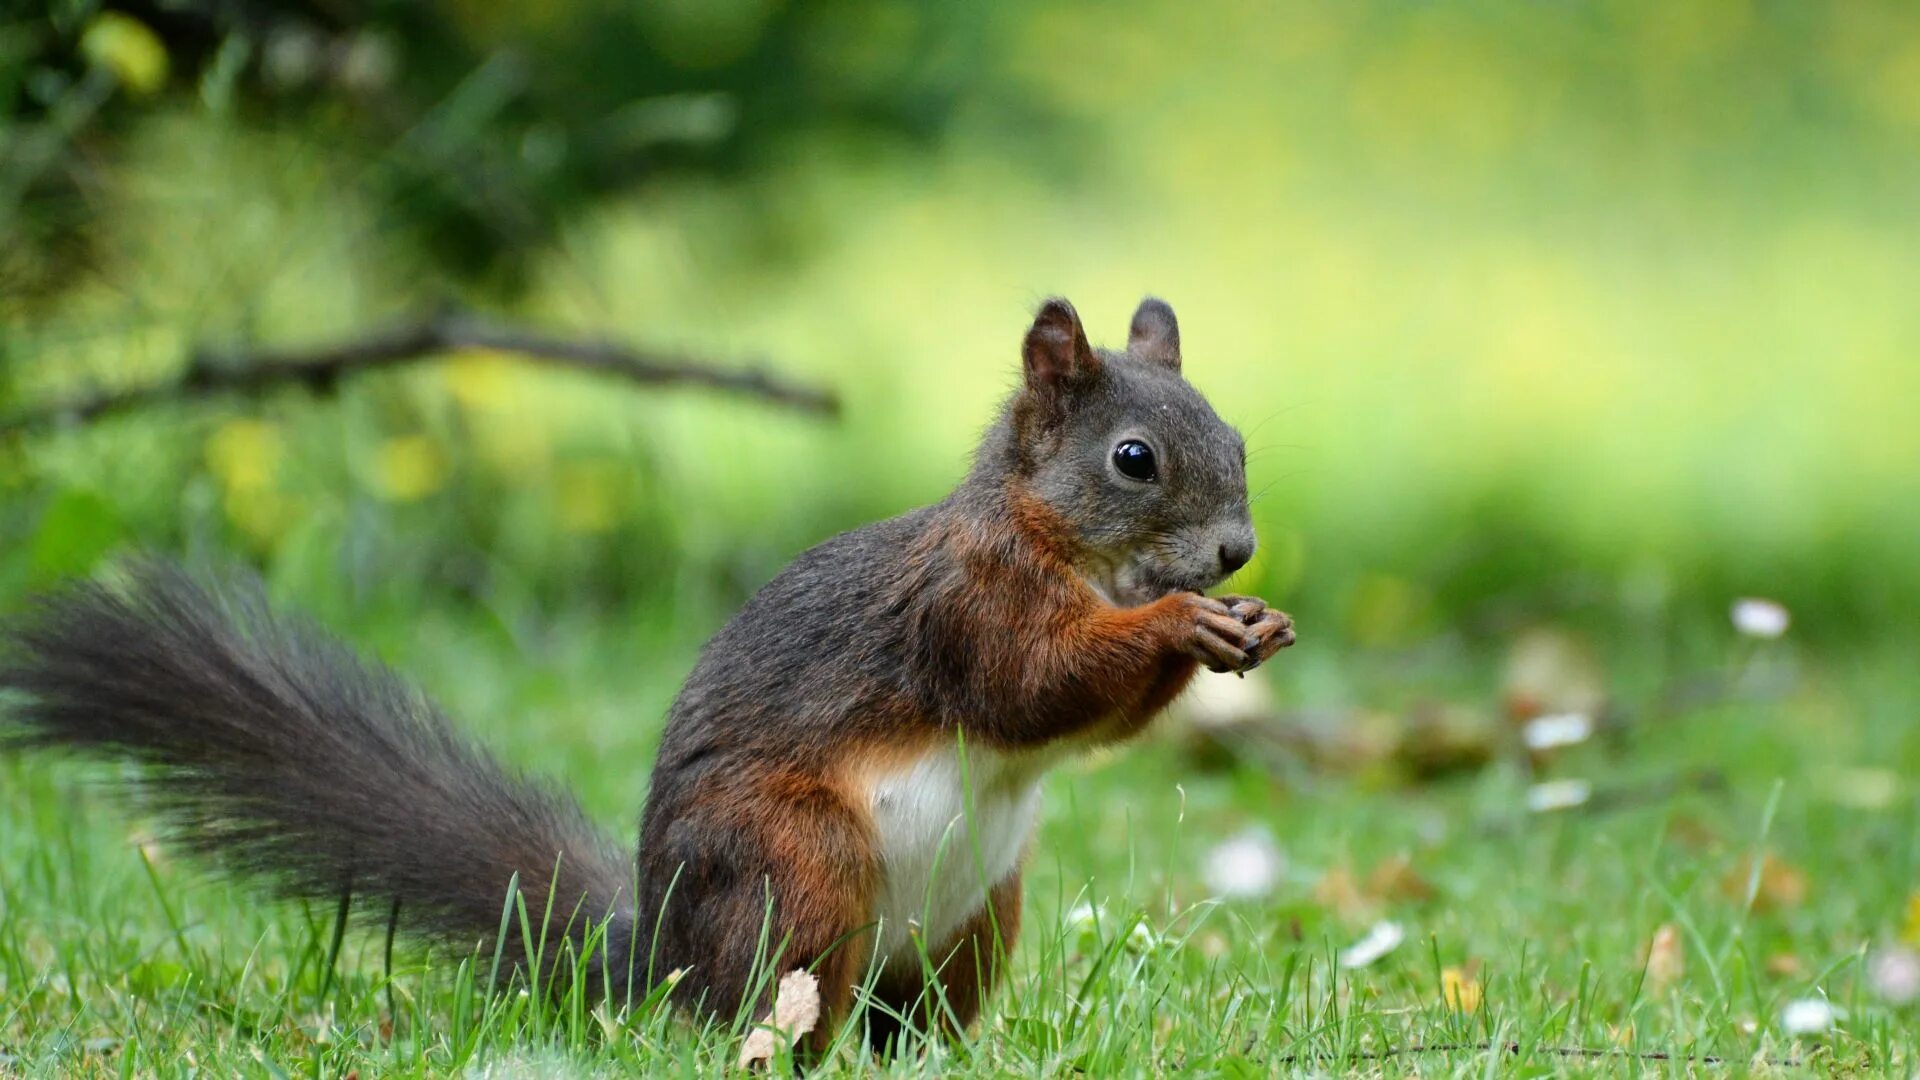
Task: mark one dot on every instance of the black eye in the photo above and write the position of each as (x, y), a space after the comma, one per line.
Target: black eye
(1135, 461)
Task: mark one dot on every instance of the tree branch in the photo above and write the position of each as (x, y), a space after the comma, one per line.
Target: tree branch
(321, 368)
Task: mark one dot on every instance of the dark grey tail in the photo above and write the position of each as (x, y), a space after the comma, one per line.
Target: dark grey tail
(276, 752)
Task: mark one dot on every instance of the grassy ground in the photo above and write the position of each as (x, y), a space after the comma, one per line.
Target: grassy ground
(1521, 929)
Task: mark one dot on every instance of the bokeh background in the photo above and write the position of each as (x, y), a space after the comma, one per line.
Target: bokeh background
(1554, 330)
(1524, 308)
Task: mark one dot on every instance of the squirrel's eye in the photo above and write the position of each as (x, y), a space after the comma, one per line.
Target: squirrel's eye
(1135, 461)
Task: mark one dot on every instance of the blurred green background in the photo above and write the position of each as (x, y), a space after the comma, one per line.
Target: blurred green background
(1599, 311)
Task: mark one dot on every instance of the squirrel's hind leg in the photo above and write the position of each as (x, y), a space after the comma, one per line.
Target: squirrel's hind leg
(967, 967)
(782, 873)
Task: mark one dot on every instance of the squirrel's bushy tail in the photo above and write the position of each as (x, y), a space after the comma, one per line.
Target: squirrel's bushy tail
(275, 751)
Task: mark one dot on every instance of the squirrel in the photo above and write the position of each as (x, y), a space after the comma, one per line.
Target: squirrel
(848, 779)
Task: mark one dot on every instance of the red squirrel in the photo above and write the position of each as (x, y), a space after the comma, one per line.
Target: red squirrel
(848, 779)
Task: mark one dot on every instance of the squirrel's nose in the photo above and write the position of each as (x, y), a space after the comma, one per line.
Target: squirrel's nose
(1234, 555)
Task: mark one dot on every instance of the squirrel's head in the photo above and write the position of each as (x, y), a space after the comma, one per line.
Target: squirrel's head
(1151, 483)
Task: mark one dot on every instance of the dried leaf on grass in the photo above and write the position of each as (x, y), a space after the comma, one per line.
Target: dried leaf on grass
(1666, 957)
(1785, 966)
(1460, 990)
(1550, 670)
(796, 1009)
(1395, 879)
(1440, 740)
(1391, 881)
(1338, 892)
(1776, 884)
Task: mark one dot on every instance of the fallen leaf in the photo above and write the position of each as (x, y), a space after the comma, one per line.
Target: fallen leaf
(1339, 892)
(1784, 965)
(1666, 957)
(1395, 879)
(1439, 740)
(1552, 671)
(1780, 884)
(1693, 833)
(796, 1009)
(1460, 990)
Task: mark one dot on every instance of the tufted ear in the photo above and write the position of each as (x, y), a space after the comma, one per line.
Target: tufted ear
(1056, 350)
(1155, 335)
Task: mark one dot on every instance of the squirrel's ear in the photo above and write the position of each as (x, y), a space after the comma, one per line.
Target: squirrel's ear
(1056, 350)
(1155, 335)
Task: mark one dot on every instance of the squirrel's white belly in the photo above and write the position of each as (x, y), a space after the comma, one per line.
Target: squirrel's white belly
(951, 827)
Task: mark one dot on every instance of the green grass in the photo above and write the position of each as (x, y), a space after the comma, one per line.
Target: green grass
(119, 960)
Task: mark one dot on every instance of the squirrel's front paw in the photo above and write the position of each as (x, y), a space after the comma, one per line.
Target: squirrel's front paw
(1248, 608)
(1268, 630)
(1271, 631)
(1219, 639)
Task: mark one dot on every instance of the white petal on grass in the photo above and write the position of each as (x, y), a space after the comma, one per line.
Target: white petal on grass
(1894, 974)
(1550, 795)
(1557, 730)
(1082, 919)
(1142, 938)
(1383, 938)
(1808, 1016)
(1249, 864)
(1083, 925)
(1760, 618)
